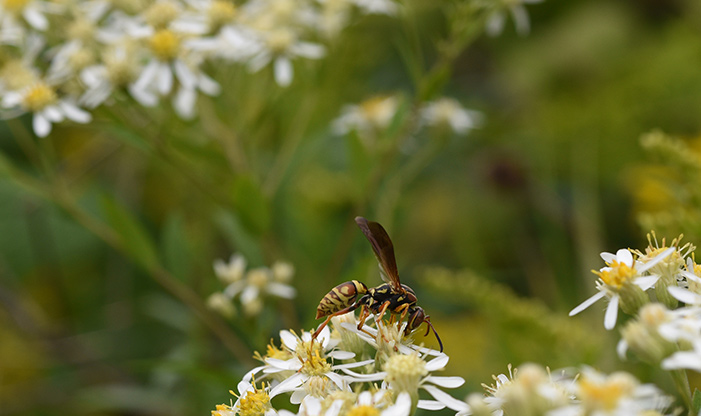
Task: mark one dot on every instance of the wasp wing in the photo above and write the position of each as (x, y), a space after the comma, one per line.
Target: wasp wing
(383, 249)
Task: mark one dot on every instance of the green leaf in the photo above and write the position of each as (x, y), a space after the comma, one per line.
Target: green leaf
(252, 207)
(175, 247)
(135, 241)
(696, 401)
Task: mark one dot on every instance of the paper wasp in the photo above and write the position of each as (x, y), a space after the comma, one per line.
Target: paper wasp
(390, 296)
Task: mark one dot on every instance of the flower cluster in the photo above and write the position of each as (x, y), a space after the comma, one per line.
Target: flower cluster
(250, 286)
(343, 373)
(59, 60)
(633, 278)
(534, 390)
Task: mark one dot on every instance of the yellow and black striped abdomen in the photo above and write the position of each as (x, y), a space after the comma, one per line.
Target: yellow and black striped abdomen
(340, 297)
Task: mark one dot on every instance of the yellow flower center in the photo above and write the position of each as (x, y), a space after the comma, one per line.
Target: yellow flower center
(605, 395)
(160, 14)
(165, 44)
(14, 6)
(379, 110)
(364, 410)
(16, 75)
(38, 97)
(405, 371)
(258, 277)
(221, 12)
(279, 40)
(223, 410)
(254, 403)
(314, 364)
(617, 275)
(271, 351)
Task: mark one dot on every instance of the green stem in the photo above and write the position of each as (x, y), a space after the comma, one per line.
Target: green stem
(681, 382)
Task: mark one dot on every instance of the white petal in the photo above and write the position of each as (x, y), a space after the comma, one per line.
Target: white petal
(430, 405)
(437, 363)
(249, 294)
(184, 103)
(625, 256)
(353, 365)
(53, 113)
(298, 396)
(682, 359)
(335, 408)
(621, 349)
(341, 355)
(41, 125)
(287, 385)
(447, 399)
(75, 113)
(147, 76)
(280, 290)
(283, 71)
(186, 77)
(308, 50)
(37, 20)
(684, 295)
(164, 79)
(690, 276)
(142, 95)
(447, 382)
(520, 15)
(243, 387)
(611, 313)
(401, 407)
(207, 85)
(310, 406)
(646, 282)
(587, 303)
(658, 258)
(249, 376)
(288, 339)
(337, 379)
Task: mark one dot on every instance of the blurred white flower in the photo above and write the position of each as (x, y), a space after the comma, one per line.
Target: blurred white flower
(47, 107)
(367, 118)
(495, 23)
(449, 112)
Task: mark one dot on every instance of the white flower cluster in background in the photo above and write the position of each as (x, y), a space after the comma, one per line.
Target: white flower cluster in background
(251, 287)
(61, 59)
(534, 390)
(343, 373)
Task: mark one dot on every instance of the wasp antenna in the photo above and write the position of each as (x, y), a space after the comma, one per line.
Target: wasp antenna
(428, 321)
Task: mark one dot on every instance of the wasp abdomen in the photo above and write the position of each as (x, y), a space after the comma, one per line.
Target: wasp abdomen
(340, 297)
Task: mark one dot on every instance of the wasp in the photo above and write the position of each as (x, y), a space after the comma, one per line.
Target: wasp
(392, 296)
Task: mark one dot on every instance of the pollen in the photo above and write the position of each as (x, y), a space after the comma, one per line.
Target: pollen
(14, 6)
(617, 275)
(315, 365)
(223, 410)
(364, 410)
(39, 97)
(405, 371)
(165, 44)
(605, 394)
(254, 403)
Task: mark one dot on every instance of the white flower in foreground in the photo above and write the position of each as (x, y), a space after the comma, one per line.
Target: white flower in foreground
(366, 403)
(623, 281)
(529, 389)
(311, 370)
(252, 401)
(449, 112)
(410, 373)
(47, 107)
(616, 394)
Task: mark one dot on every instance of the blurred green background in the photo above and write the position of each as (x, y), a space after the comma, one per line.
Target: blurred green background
(108, 232)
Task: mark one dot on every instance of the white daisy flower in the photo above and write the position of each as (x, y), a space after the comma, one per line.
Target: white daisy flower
(310, 371)
(623, 281)
(368, 118)
(252, 401)
(16, 15)
(449, 112)
(42, 100)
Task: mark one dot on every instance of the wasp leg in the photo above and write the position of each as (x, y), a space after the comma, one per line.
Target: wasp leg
(341, 312)
(382, 311)
(364, 313)
(402, 311)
